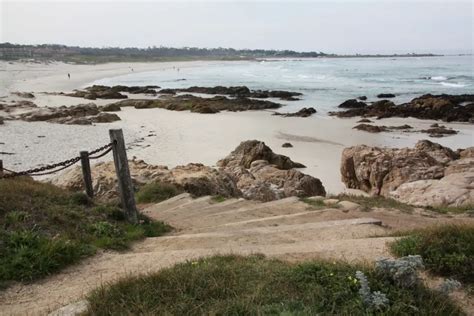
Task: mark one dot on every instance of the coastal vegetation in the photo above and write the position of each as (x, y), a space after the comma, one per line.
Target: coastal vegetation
(156, 192)
(44, 228)
(446, 250)
(255, 285)
(85, 55)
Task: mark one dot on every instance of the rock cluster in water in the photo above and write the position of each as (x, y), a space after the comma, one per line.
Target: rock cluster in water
(252, 171)
(428, 174)
(449, 108)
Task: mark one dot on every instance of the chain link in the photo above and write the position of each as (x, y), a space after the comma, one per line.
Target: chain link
(63, 164)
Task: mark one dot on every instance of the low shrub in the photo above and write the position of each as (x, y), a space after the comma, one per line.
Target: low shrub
(156, 192)
(446, 250)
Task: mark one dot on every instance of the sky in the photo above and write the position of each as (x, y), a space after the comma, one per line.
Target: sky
(342, 27)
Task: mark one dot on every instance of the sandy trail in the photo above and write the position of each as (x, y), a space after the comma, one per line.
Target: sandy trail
(205, 228)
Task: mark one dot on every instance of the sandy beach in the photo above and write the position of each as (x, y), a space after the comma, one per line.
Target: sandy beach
(173, 138)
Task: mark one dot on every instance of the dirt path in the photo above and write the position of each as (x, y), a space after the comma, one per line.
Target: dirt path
(288, 229)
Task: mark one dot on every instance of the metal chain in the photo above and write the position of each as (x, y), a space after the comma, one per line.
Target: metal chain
(101, 155)
(64, 164)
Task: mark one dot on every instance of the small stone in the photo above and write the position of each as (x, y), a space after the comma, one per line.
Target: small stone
(348, 206)
(330, 201)
(287, 145)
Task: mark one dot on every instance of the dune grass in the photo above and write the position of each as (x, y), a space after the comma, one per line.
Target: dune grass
(44, 228)
(156, 192)
(254, 285)
(446, 250)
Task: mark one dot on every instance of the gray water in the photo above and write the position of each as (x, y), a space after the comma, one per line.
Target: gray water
(324, 82)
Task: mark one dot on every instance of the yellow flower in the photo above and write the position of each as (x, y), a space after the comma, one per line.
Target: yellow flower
(194, 263)
(331, 274)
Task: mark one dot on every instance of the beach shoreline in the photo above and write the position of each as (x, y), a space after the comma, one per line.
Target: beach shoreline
(172, 138)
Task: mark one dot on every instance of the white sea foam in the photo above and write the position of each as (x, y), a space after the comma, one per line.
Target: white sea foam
(438, 78)
(453, 85)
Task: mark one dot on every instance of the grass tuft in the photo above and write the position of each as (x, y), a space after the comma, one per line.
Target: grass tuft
(254, 285)
(446, 250)
(379, 201)
(156, 192)
(218, 199)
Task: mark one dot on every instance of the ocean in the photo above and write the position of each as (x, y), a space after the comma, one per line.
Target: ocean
(324, 82)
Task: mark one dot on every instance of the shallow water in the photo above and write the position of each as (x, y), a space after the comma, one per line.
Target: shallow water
(324, 82)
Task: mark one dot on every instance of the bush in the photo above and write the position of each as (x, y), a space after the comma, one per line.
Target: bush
(236, 285)
(156, 192)
(447, 250)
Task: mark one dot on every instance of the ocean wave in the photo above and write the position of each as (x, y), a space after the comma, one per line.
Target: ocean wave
(453, 85)
(438, 78)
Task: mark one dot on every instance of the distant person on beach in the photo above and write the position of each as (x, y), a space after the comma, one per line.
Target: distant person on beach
(69, 75)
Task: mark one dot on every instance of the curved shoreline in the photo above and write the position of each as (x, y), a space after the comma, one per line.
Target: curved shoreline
(184, 137)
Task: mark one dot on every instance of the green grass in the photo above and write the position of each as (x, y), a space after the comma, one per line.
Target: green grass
(254, 285)
(156, 192)
(44, 228)
(368, 203)
(218, 199)
(452, 209)
(317, 204)
(446, 250)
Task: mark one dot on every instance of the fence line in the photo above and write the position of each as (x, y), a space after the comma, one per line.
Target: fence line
(117, 146)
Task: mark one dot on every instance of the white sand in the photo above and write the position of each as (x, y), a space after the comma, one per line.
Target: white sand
(183, 137)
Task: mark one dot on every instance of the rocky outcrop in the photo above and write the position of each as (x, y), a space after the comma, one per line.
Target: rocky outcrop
(199, 105)
(106, 92)
(287, 145)
(386, 95)
(444, 107)
(253, 150)
(428, 174)
(238, 91)
(25, 95)
(252, 177)
(304, 112)
(434, 131)
(352, 104)
(83, 114)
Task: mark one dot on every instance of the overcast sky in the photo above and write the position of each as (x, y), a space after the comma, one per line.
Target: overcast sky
(377, 26)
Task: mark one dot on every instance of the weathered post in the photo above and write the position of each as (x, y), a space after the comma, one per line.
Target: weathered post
(86, 173)
(1, 167)
(123, 175)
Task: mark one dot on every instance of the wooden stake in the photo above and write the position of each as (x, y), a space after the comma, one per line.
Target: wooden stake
(86, 173)
(123, 174)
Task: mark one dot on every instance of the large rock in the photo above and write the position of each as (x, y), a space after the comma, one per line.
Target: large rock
(253, 177)
(428, 174)
(252, 150)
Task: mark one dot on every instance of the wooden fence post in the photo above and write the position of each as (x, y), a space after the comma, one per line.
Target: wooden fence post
(1, 167)
(86, 173)
(123, 175)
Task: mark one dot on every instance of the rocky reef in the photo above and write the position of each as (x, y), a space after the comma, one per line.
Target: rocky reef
(106, 92)
(252, 171)
(435, 130)
(304, 112)
(238, 91)
(449, 108)
(82, 114)
(196, 104)
(428, 174)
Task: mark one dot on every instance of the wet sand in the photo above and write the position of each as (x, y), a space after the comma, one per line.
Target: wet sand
(172, 138)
